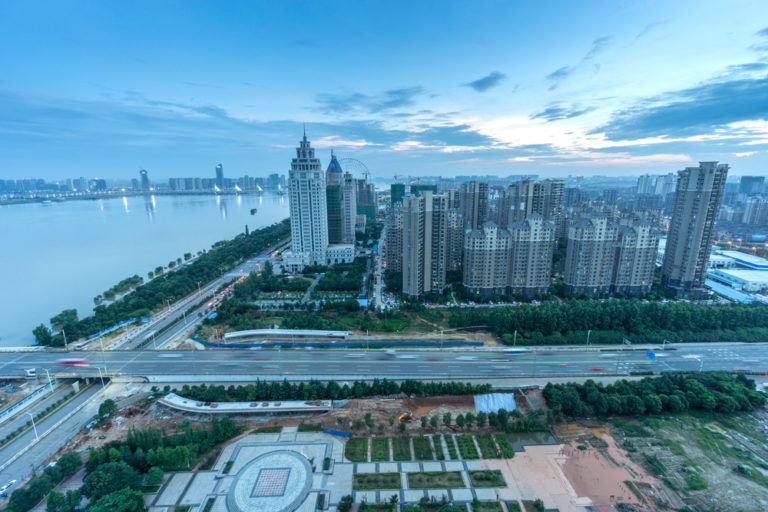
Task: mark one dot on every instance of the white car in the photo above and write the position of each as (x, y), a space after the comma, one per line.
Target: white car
(4, 489)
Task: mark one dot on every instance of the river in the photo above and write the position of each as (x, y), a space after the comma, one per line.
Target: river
(61, 255)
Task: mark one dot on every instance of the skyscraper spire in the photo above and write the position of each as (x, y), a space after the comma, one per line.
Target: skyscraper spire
(305, 131)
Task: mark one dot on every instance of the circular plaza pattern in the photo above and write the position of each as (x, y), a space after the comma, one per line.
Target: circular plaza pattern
(274, 482)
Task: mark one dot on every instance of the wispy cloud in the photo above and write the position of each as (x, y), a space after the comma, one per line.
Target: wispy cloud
(487, 82)
(559, 75)
(357, 103)
(557, 112)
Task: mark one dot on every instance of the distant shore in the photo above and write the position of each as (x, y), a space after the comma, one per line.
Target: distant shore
(127, 193)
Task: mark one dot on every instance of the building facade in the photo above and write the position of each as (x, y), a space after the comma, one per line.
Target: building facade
(473, 203)
(698, 195)
(635, 259)
(590, 255)
(424, 243)
(349, 198)
(532, 244)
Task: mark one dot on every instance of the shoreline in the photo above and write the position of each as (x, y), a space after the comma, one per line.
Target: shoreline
(121, 194)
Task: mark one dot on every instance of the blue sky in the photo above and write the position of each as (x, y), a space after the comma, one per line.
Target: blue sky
(105, 88)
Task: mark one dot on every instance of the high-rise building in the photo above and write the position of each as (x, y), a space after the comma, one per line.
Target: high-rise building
(366, 199)
(486, 256)
(590, 255)
(144, 176)
(473, 203)
(525, 197)
(134, 184)
(220, 176)
(189, 184)
(424, 247)
(396, 192)
(309, 212)
(418, 188)
(646, 184)
(454, 237)
(665, 184)
(751, 185)
(756, 211)
(394, 249)
(334, 199)
(349, 197)
(635, 259)
(697, 200)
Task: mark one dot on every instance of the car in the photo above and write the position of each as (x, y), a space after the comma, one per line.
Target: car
(72, 362)
(4, 489)
(596, 368)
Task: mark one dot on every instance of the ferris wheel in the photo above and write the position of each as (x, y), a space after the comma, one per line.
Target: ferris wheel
(355, 166)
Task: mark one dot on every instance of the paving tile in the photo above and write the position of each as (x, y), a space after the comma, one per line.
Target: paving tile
(433, 466)
(485, 494)
(438, 494)
(388, 467)
(366, 467)
(462, 494)
(412, 496)
(410, 467)
(453, 465)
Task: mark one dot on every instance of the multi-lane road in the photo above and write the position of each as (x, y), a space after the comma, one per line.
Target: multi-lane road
(422, 364)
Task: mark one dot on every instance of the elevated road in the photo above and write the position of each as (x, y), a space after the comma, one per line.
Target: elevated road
(301, 364)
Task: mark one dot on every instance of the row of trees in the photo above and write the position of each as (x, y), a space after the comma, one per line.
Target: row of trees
(170, 286)
(24, 499)
(345, 277)
(612, 320)
(712, 391)
(267, 281)
(316, 390)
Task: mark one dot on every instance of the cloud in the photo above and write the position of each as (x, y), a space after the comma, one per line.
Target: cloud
(333, 141)
(692, 111)
(763, 32)
(557, 112)
(559, 75)
(487, 82)
(359, 103)
(745, 153)
(651, 27)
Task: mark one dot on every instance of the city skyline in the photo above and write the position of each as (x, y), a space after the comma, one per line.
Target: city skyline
(176, 88)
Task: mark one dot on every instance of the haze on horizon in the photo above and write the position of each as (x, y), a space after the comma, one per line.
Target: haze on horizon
(434, 88)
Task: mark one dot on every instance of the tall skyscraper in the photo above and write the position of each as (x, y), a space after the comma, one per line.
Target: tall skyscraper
(220, 176)
(366, 199)
(334, 199)
(751, 185)
(697, 200)
(473, 203)
(590, 255)
(424, 247)
(144, 176)
(396, 192)
(309, 213)
(394, 248)
(349, 196)
(646, 184)
(525, 197)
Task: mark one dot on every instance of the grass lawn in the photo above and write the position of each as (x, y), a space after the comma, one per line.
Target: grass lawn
(467, 447)
(380, 449)
(367, 481)
(487, 478)
(486, 506)
(379, 508)
(421, 448)
(356, 449)
(401, 449)
(435, 480)
(506, 446)
(274, 429)
(514, 506)
(451, 447)
(438, 447)
(308, 427)
(488, 447)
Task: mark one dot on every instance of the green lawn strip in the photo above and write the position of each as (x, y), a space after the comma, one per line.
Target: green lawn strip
(356, 449)
(438, 447)
(486, 506)
(368, 481)
(467, 447)
(228, 466)
(210, 461)
(209, 505)
(380, 449)
(274, 429)
(421, 448)
(507, 451)
(487, 478)
(379, 508)
(487, 446)
(435, 480)
(514, 506)
(308, 427)
(401, 449)
(451, 447)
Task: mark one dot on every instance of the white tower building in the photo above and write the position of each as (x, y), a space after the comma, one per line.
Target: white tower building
(309, 219)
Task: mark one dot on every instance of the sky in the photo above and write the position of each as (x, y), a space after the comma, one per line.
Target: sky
(106, 88)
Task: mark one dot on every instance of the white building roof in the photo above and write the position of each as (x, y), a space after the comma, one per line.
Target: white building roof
(744, 275)
(746, 259)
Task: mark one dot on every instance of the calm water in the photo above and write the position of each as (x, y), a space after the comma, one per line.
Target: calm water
(61, 255)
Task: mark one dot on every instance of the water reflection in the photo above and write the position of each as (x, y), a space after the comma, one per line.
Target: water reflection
(125, 205)
(149, 206)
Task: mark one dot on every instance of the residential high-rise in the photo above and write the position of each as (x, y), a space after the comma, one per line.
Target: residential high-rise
(394, 249)
(366, 199)
(220, 176)
(665, 184)
(751, 185)
(486, 256)
(756, 211)
(635, 259)
(697, 200)
(144, 176)
(473, 203)
(646, 184)
(308, 209)
(532, 244)
(525, 197)
(590, 255)
(424, 247)
(418, 188)
(349, 197)
(454, 238)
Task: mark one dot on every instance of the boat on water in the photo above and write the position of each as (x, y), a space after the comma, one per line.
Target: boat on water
(253, 211)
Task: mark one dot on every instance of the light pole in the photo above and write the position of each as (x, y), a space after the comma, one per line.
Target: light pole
(514, 341)
(50, 382)
(37, 438)
(588, 333)
(66, 345)
(102, 376)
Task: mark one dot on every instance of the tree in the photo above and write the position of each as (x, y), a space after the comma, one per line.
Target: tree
(345, 504)
(481, 418)
(394, 499)
(460, 421)
(538, 505)
(123, 500)
(110, 477)
(391, 420)
(469, 418)
(433, 421)
(69, 463)
(154, 476)
(107, 407)
(447, 419)
(423, 422)
(402, 427)
(42, 335)
(55, 502)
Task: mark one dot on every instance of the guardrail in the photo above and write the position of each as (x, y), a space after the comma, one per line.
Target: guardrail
(342, 344)
(6, 413)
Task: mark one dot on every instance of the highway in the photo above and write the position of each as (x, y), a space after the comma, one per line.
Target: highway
(344, 364)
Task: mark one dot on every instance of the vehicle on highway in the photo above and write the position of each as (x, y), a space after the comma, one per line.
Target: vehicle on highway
(4, 489)
(169, 355)
(72, 362)
(596, 368)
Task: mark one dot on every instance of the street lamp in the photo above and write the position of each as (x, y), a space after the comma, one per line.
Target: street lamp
(50, 383)
(101, 376)
(37, 438)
